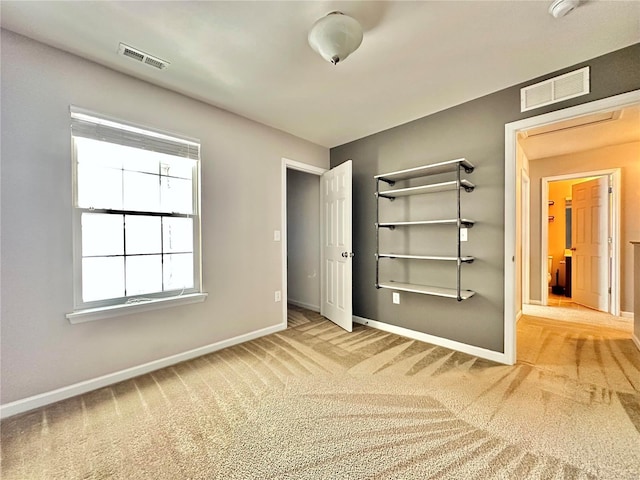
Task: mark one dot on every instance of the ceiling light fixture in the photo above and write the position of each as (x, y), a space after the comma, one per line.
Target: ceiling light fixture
(559, 8)
(335, 36)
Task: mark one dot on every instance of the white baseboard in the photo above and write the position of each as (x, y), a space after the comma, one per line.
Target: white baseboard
(626, 315)
(441, 342)
(636, 340)
(42, 399)
(308, 306)
(518, 316)
(535, 302)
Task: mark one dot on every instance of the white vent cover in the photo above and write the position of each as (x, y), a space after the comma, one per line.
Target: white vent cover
(557, 89)
(142, 57)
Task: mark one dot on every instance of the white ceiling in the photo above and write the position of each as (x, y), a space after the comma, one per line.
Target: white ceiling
(252, 58)
(584, 133)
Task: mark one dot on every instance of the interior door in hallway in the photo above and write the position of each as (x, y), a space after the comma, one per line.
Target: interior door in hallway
(590, 234)
(336, 201)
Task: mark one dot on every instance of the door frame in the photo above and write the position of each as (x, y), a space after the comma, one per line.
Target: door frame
(613, 222)
(288, 164)
(510, 218)
(525, 236)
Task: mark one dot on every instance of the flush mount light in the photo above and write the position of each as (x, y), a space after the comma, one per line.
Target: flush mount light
(335, 36)
(559, 8)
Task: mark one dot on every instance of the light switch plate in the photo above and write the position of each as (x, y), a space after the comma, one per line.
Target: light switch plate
(464, 236)
(276, 235)
(396, 298)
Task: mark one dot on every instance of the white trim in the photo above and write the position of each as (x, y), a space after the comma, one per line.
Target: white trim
(525, 236)
(308, 306)
(91, 314)
(535, 302)
(441, 342)
(302, 167)
(636, 340)
(511, 130)
(42, 399)
(518, 316)
(626, 314)
(544, 242)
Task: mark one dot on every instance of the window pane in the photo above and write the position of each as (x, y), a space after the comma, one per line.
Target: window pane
(176, 167)
(99, 187)
(141, 192)
(143, 234)
(144, 274)
(177, 235)
(97, 153)
(178, 271)
(102, 278)
(138, 160)
(176, 195)
(123, 254)
(102, 234)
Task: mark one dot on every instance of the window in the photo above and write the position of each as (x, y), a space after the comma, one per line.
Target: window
(136, 214)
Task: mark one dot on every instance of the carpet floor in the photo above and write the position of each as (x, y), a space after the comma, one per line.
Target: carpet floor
(316, 402)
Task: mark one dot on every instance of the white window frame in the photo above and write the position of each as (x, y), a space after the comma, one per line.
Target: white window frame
(108, 129)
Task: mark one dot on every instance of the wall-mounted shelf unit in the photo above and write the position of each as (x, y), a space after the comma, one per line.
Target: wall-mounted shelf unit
(451, 166)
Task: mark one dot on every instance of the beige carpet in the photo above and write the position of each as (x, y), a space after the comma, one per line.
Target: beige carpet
(315, 402)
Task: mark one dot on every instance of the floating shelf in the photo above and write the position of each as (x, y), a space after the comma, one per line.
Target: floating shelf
(427, 290)
(423, 189)
(423, 171)
(426, 257)
(465, 222)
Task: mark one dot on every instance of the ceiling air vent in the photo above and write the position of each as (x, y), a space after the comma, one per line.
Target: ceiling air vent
(142, 57)
(557, 89)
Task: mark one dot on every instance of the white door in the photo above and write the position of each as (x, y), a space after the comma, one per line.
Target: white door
(589, 242)
(336, 253)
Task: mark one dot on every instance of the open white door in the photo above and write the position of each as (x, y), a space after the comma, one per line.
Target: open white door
(589, 227)
(336, 254)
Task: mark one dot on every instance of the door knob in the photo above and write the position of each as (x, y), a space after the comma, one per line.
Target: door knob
(573, 249)
(345, 254)
(352, 254)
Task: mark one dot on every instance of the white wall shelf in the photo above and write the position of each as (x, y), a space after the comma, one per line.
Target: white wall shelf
(424, 170)
(426, 257)
(459, 184)
(465, 223)
(427, 290)
(423, 189)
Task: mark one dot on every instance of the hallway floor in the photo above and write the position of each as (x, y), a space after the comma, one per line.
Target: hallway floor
(563, 309)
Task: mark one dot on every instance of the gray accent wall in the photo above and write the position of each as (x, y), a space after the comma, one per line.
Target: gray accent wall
(474, 130)
(241, 207)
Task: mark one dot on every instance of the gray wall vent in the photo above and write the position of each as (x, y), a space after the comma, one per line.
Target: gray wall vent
(142, 57)
(557, 89)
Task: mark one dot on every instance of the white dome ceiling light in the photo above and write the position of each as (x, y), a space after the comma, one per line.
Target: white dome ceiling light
(559, 8)
(335, 36)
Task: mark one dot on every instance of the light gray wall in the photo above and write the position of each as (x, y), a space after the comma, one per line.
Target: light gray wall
(303, 238)
(474, 130)
(626, 157)
(241, 207)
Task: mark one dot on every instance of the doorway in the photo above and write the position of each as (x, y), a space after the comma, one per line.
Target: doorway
(334, 241)
(300, 236)
(512, 255)
(591, 280)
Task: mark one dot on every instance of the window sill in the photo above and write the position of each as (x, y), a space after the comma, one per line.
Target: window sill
(91, 314)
